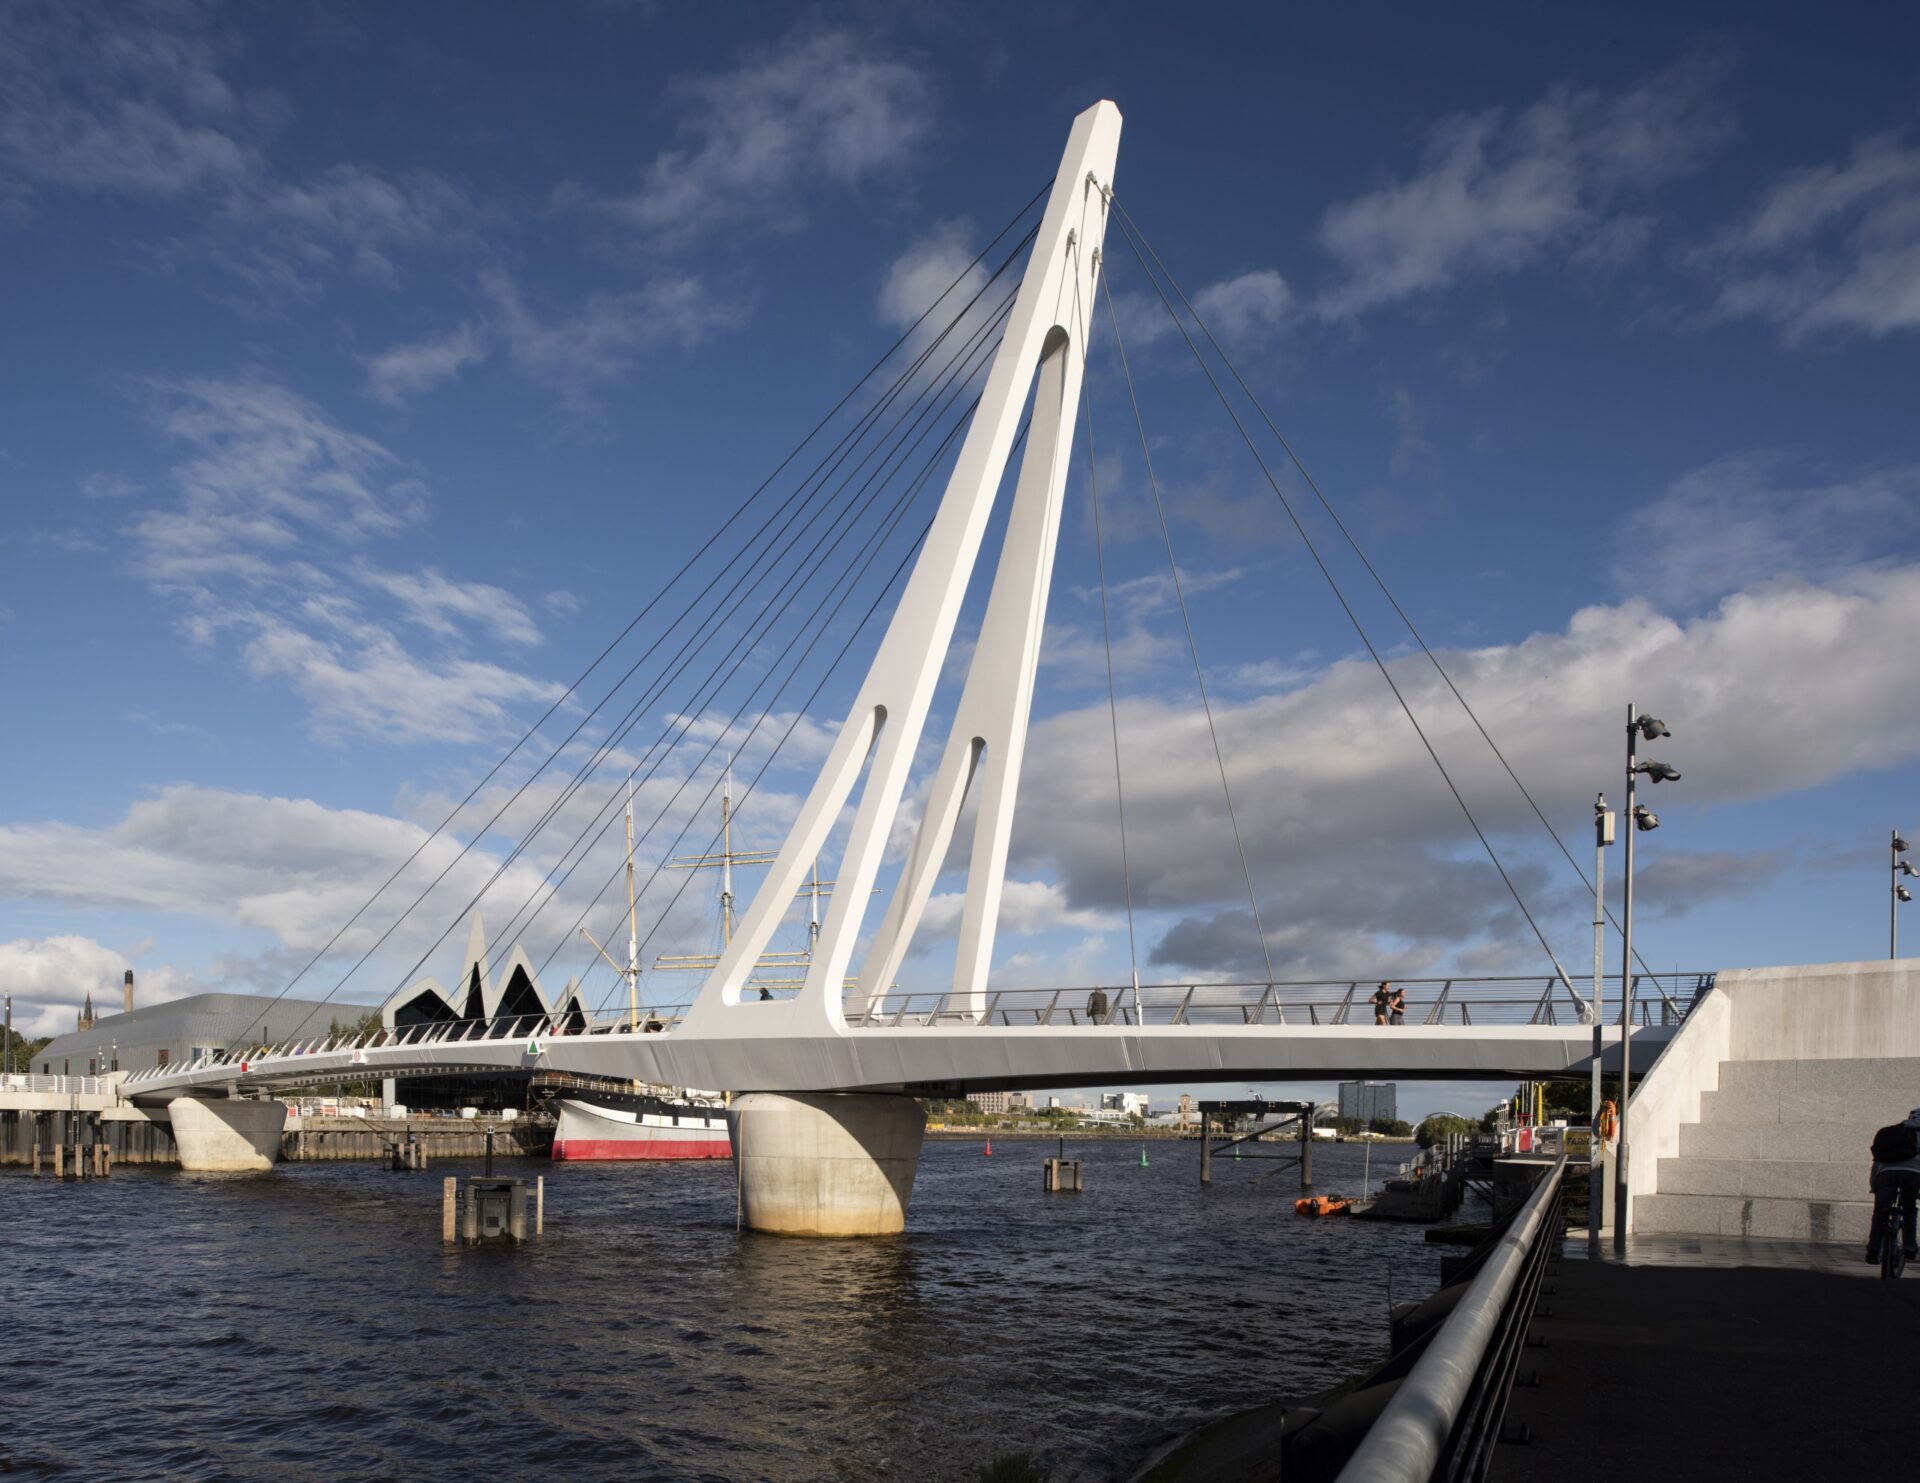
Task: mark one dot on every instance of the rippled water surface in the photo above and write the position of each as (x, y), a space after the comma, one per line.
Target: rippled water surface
(307, 1324)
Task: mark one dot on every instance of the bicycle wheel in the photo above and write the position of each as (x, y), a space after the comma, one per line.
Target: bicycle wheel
(1892, 1262)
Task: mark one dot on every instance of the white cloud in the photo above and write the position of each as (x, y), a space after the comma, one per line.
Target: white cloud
(1247, 307)
(916, 279)
(821, 106)
(50, 978)
(265, 545)
(404, 371)
(1496, 193)
(1241, 311)
(1781, 686)
(448, 608)
(564, 604)
(1753, 516)
(124, 98)
(1833, 248)
(599, 343)
(288, 867)
(269, 470)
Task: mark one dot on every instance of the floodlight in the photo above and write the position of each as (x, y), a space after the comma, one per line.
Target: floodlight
(1650, 728)
(1903, 893)
(1645, 819)
(1907, 868)
(1658, 772)
(1900, 844)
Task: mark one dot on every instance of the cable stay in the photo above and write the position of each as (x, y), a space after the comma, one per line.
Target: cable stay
(1113, 704)
(685, 716)
(755, 551)
(1128, 232)
(1378, 580)
(1186, 621)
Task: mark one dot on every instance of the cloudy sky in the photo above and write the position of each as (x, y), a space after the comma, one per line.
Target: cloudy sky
(368, 373)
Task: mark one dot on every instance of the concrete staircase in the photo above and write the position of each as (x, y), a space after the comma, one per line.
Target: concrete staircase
(1780, 1150)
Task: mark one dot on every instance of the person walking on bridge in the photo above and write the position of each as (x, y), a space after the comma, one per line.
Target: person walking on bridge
(1382, 1002)
(1895, 1176)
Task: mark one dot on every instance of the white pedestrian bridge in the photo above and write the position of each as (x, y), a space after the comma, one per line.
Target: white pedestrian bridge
(927, 1045)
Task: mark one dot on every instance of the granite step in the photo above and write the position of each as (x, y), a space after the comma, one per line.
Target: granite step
(1802, 1179)
(1753, 1216)
(1853, 1105)
(1842, 1143)
(1891, 1073)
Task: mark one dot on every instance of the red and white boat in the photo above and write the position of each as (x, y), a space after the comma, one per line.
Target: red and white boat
(605, 1126)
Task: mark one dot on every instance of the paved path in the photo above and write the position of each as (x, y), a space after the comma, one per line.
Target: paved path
(1710, 1359)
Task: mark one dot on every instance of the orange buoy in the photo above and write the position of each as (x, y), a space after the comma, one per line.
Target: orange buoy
(1323, 1205)
(989, 1148)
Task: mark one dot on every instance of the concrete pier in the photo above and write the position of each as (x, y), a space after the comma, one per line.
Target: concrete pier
(825, 1164)
(226, 1134)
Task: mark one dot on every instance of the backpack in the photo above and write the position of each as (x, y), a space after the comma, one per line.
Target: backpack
(1895, 1144)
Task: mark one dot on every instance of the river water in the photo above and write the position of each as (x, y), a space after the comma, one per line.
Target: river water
(307, 1323)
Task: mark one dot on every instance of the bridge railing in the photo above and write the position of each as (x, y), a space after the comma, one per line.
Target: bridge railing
(84, 1086)
(530, 1027)
(1662, 999)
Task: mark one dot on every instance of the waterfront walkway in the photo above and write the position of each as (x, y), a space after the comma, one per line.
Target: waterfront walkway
(1712, 1358)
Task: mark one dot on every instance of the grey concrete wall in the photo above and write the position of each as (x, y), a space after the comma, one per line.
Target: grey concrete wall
(1858, 1012)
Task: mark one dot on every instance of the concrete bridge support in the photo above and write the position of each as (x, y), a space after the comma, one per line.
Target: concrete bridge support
(826, 1163)
(226, 1135)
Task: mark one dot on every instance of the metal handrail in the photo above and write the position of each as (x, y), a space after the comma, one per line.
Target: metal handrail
(84, 1086)
(1419, 1435)
(1441, 1001)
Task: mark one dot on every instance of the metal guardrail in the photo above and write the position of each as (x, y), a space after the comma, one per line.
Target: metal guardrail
(437, 1033)
(1444, 1419)
(1658, 1000)
(1662, 999)
(84, 1086)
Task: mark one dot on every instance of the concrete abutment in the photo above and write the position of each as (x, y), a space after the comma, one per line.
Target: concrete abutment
(826, 1163)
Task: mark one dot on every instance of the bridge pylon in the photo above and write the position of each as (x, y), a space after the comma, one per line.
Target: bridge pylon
(1042, 353)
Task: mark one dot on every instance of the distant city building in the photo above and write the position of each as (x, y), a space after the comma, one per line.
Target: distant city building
(1053, 1102)
(1124, 1103)
(989, 1101)
(1018, 1101)
(1370, 1101)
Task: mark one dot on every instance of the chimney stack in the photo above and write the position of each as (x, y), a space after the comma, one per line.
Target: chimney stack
(129, 1008)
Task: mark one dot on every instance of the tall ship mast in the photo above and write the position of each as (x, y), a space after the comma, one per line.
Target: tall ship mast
(658, 1123)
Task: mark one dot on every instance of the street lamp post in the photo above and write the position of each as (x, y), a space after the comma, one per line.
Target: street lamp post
(1602, 837)
(1899, 893)
(1642, 820)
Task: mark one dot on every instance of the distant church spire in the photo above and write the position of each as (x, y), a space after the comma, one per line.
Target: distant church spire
(86, 1014)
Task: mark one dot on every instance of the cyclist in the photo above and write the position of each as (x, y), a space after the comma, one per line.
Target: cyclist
(1895, 1176)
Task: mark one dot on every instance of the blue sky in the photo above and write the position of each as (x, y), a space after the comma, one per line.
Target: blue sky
(366, 371)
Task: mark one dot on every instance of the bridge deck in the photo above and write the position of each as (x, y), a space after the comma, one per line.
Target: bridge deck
(941, 1060)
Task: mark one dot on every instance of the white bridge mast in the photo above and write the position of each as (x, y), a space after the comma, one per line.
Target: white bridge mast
(1044, 339)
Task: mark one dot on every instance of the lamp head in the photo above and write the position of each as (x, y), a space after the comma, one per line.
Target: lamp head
(1903, 893)
(1900, 846)
(1645, 819)
(1658, 772)
(1651, 729)
(1907, 868)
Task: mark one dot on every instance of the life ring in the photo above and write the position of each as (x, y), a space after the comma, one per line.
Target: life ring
(1609, 1126)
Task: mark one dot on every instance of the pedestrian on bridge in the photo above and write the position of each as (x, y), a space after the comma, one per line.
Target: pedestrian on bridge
(1097, 1007)
(1382, 1002)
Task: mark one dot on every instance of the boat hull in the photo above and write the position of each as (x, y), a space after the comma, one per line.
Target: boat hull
(638, 1130)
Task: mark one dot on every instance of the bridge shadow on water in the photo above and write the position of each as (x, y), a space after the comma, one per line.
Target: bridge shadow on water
(308, 1323)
